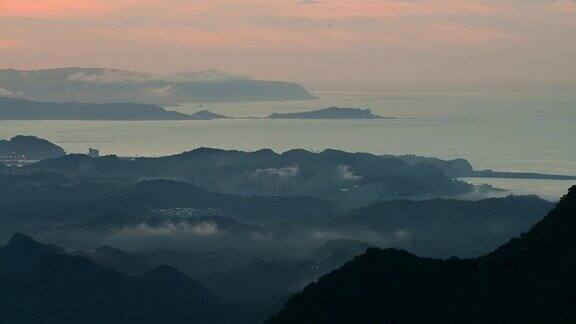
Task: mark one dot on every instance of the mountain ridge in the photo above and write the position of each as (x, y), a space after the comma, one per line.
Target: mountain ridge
(60, 288)
(527, 279)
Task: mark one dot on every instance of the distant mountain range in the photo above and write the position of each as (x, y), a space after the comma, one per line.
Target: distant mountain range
(110, 85)
(169, 214)
(527, 280)
(59, 199)
(41, 284)
(331, 174)
(429, 228)
(144, 248)
(111, 285)
(437, 227)
(235, 274)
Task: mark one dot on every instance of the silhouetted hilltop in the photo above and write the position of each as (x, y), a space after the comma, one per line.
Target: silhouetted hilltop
(329, 113)
(111, 85)
(528, 279)
(29, 148)
(22, 252)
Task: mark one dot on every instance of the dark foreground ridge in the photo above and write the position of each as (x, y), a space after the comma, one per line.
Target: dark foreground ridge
(527, 280)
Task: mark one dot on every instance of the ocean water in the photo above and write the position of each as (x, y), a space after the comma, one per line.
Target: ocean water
(517, 131)
(547, 189)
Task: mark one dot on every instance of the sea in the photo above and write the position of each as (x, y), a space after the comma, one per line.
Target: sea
(503, 131)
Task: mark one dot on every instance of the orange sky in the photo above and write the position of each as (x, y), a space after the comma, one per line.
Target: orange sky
(323, 43)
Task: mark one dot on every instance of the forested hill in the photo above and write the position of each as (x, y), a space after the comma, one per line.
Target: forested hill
(331, 174)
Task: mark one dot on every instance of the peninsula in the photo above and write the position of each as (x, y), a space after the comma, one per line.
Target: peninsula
(113, 85)
(20, 109)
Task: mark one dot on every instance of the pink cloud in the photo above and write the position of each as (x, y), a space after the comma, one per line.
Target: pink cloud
(272, 39)
(564, 7)
(51, 8)
(463, 34)
(244, 37)
(327, 9)
(342, 9)
(56, 9)
(4, 42)
(256, 24)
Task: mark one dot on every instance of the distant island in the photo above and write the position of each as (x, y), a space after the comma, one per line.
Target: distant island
(330, 113)
(113, 85)
(20, 109)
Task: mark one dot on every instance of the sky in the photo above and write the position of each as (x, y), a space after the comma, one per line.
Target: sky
(370, 45)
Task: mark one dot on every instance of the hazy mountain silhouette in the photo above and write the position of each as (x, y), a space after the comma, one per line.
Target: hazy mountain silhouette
(65, 201)
(67, 289)
(160, 196)
(437, 227)
(110, 85)
(196, 264)
(22, 252)
(50, 286)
